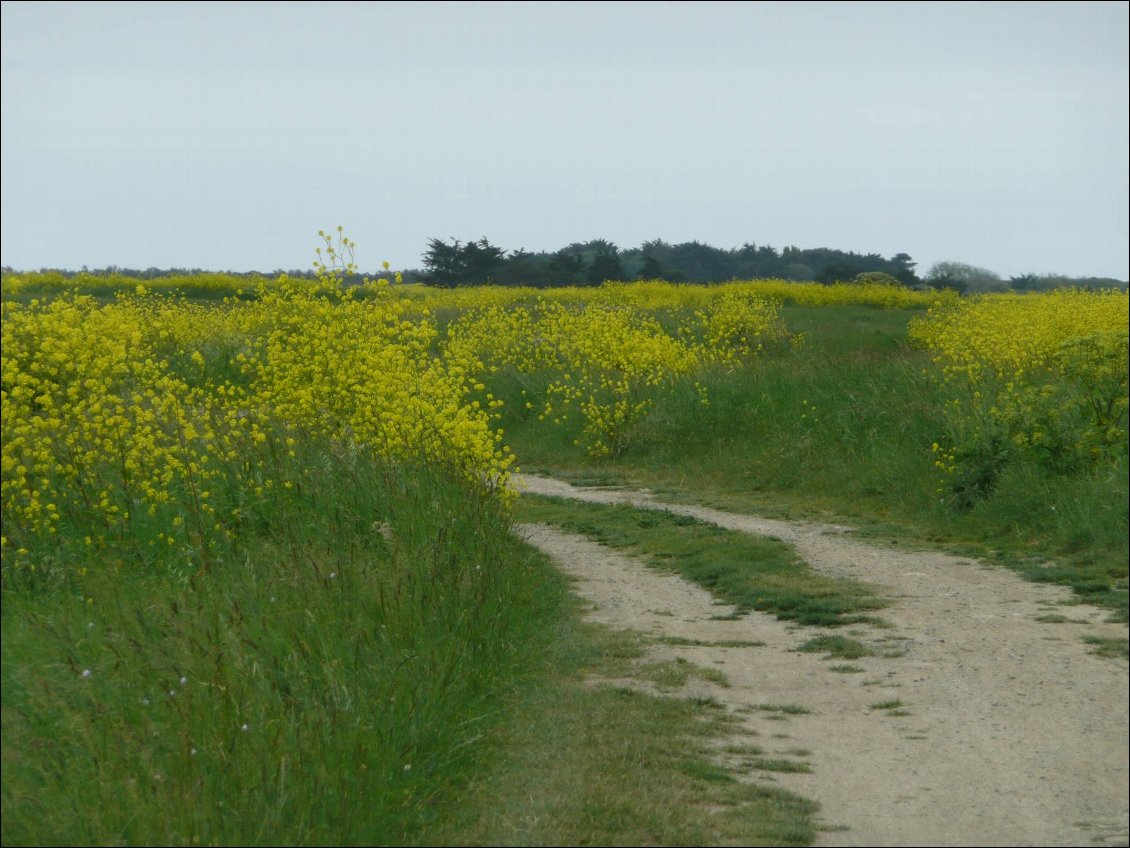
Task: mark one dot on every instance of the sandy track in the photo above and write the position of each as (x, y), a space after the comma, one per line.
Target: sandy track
(1016, 734)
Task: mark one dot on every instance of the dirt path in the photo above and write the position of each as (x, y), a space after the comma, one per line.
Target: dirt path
(1016, 734)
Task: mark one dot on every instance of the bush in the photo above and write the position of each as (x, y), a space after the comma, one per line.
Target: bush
(876, 278)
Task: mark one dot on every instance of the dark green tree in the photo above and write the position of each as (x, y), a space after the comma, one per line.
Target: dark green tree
(605, 265)
(651, 269)
(443, 262)
(835, 272)
(458, 264)
(483, 260)
(904, 269)
(568, 267)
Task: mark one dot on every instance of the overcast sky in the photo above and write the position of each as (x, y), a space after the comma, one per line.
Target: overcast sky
(225, 135)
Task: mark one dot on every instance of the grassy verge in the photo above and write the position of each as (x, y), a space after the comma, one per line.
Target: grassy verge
(591, 764)
(749, 572)
(419, 681)
(330, 681)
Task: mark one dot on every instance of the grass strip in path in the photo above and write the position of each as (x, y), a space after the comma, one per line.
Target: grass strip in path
(587, 764)
(750, 572)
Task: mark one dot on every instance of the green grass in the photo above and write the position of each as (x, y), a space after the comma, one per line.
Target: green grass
(778, 764)
(887, 705)
(592, 764)
(334, 679)
(746, 571)
(677, 673)
(786, 709)
(302, 692)
(372, 659)
(864, 457)
(1109, 647)
(841, 647)
(717, 643)
(424, 683)
(744, 750)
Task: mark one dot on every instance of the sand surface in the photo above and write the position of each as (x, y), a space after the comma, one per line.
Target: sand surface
(1015, 734)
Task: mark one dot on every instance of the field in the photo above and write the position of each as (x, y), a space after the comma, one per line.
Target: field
(259, 579)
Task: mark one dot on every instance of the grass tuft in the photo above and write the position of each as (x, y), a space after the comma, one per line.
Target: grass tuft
(887, 705)
(786, 709)
(1109, 647)
(837, 646)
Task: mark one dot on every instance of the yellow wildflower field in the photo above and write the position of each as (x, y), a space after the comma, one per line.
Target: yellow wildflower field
(152, 417)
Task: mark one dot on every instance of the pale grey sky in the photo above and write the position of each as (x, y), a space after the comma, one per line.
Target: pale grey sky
(225, 135)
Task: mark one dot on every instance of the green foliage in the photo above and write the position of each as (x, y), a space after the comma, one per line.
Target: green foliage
(784, 709)
(965, 278)
(1040, 380)
(1073, 415)
(597, 260)
(605, 266)
(231, 620)
(877, 278)
(976, 467)
(457, 264)
(651, 269)
(840, 647)
(1046, 282)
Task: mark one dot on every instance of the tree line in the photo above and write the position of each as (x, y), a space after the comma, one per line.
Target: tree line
(453, 262)
(456, 263)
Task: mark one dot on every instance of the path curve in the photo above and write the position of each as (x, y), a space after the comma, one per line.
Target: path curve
(1016, 734)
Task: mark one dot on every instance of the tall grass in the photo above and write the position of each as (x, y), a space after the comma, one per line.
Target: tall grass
(332, 681)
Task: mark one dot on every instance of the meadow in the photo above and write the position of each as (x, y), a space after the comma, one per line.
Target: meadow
(258, 580)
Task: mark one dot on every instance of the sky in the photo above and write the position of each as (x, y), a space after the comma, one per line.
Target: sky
(224, 136)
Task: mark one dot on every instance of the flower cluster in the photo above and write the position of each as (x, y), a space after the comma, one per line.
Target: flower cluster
(608, 362)
(1037, 376)
(738, 325)
(152, 428)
